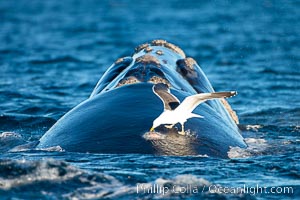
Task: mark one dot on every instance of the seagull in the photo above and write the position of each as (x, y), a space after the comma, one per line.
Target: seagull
(176, 112)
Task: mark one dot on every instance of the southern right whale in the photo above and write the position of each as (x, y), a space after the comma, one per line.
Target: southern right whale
(119, 112)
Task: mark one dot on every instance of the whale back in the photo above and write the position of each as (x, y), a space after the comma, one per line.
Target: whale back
(117, 120)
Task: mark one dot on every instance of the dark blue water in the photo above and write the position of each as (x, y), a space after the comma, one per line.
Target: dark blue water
(52, 54)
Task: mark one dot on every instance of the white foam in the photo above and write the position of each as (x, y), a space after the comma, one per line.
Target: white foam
(253, 127)
(184, 179)
(10, 134)
(255, 147)
(54, 148)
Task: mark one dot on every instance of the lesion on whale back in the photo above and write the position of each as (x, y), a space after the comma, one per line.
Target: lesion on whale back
(168, 45)
(157, 79)
(231, 112)
(127, 80)
(163, 43)
(148, 59)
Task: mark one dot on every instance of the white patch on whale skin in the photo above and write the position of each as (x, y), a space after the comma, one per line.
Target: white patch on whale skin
(154, 136)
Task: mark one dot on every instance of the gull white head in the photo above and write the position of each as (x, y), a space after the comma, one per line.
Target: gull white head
(167, 117)
(156, 123)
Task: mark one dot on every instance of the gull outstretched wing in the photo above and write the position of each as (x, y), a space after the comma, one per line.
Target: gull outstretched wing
(191, 102)
(163, 92)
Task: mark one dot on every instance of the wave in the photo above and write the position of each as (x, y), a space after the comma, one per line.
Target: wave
(44, 178)
(58, 59)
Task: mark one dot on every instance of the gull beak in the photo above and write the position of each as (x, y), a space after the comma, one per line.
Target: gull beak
(152, 129)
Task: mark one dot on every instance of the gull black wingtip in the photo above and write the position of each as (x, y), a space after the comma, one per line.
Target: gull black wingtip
(234, 93)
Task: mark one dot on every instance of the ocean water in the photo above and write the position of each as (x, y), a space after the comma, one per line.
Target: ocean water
(52, 54)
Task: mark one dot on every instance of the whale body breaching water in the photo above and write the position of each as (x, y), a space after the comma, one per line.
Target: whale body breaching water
(176, 112)
(118, 113)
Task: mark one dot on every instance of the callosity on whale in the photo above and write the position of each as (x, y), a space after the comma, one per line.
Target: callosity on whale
(118, 114)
